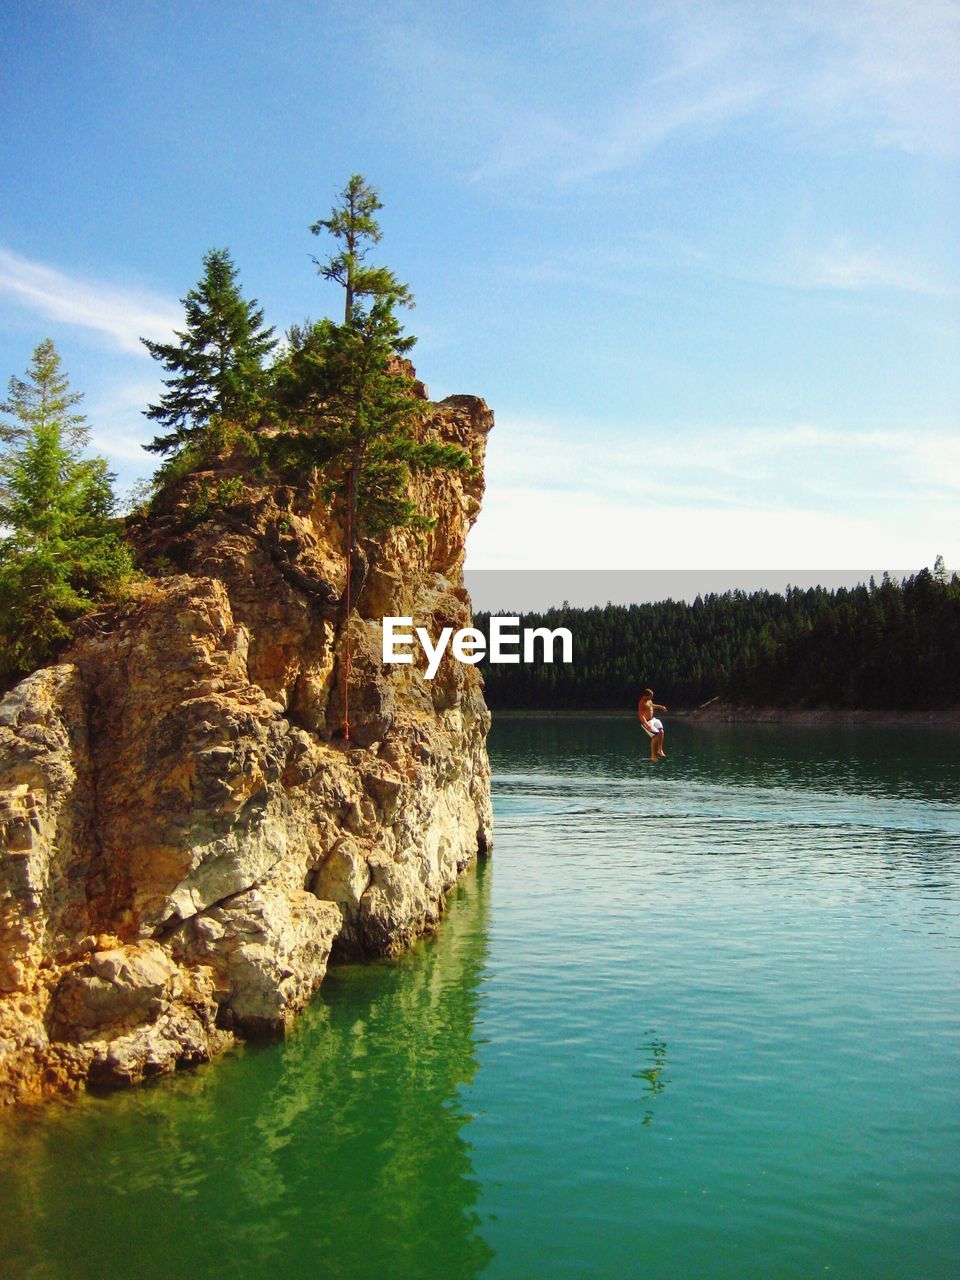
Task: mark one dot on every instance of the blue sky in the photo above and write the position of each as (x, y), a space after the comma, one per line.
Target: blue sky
(700, 258)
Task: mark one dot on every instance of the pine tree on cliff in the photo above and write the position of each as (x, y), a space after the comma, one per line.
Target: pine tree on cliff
(356, 397)
(353, 224)
(217, 362)
(61, 553)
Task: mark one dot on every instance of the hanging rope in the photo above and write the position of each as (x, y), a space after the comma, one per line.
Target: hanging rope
(346, 656)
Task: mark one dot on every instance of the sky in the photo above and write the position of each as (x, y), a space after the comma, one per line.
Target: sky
(701, 259)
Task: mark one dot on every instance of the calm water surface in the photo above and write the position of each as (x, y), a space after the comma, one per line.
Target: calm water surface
(694, 1020)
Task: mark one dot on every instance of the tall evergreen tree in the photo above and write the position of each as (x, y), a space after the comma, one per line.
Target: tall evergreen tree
(354, 385)
(217, 363)
(42, 397)
(364, 430)
(61, 553)
(359, 395)
(353, 224)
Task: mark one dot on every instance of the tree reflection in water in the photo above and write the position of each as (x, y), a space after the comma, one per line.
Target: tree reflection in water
(652, 1075)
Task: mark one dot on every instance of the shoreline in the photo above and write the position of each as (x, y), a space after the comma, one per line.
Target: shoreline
(732, 713)
(729, 713)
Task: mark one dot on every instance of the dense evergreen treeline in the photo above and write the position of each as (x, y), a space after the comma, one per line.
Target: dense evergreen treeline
(888, 645)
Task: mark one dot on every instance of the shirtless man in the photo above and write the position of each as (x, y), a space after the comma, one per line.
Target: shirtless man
(651, 725)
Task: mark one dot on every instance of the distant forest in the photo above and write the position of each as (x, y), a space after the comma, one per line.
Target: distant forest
(895, 644)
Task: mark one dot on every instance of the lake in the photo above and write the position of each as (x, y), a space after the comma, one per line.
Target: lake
(699, 1019)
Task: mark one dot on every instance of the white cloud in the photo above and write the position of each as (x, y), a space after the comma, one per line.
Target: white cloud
(716, 498)
(523, 529)
(123, 315)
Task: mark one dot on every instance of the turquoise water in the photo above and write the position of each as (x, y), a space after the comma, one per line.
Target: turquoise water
(698, 1019)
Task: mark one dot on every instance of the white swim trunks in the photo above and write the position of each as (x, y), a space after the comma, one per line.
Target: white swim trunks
(653, 727)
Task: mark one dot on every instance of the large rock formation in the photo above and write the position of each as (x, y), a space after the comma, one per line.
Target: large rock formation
(184, 838)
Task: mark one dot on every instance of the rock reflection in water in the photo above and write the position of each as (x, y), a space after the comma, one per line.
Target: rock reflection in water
(341, 1152)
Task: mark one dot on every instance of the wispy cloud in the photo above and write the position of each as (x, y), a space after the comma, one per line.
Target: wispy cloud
(849, 269)
(629, 79)
(841, 265)
(121, 315)
(118, 427)
(634, 127)
(886, 67)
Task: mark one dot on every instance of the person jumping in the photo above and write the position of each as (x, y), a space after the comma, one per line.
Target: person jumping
(652, 726)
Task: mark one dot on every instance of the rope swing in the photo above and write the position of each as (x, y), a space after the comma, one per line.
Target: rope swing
(346, 654)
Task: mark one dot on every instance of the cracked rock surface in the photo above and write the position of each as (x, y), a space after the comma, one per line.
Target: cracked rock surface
(184, 838)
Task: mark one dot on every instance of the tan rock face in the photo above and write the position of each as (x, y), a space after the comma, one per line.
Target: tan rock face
(126, 985)
(183, 836)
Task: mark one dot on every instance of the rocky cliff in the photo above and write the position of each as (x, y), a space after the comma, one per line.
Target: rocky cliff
(184, 838)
